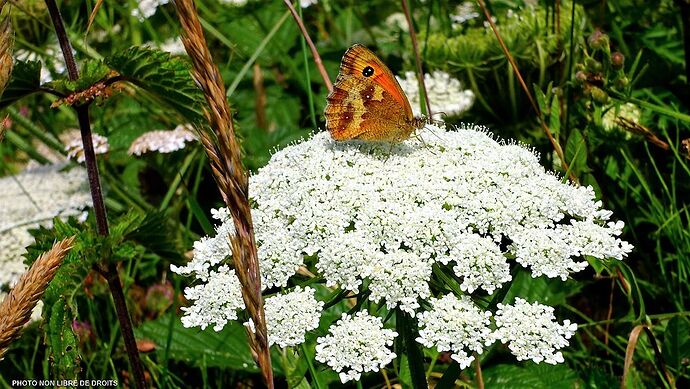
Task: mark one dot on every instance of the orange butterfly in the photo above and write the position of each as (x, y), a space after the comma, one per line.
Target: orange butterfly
(367, 102)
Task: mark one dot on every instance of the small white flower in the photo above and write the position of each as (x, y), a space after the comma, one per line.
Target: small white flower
(397, 21)
(456, 325)
(236, 3)
(162, 141)
(215, 302)
(531, 331)
(356, 344)
(627, 111)
(307, 3)
(75, 147)
(173, 46)
(464, 12)
(445, 93)
(289, 316)
(146, 8)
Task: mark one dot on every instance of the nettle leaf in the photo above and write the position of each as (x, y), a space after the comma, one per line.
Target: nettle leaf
(75, 266)
(166, 77)
(61, 341)
(530, 375)
(25, 80)
(146, 229)
(225, 348)
(90, 73)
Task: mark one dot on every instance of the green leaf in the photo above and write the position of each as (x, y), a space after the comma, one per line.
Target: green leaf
(61, 341)
(576, 152)
(676, 342)
(25, 80)
(227, 348)
(166, 77)
(407, 329)
(555, 117)
(148, 229)
(531, 376)
(90, 73)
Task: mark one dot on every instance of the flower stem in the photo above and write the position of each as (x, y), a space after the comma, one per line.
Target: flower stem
(109, 271)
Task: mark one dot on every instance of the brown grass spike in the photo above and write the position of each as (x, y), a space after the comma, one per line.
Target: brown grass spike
(15, 310)
(224, 153)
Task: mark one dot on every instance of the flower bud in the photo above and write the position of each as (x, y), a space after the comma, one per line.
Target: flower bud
(621, 82)
(617, 60)
(159, 297)
(581, 76)
(599, 95)
(598, 40)
(592, 65)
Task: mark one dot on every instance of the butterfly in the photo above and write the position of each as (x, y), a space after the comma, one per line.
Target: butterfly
(367, 102)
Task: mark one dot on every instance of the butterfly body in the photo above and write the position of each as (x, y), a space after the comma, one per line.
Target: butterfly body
(367, 102)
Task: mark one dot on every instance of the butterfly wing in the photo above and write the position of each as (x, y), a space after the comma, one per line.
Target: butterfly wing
(367, 102)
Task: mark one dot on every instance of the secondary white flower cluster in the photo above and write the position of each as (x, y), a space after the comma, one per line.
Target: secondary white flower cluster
(215, 302)
(463, 13)
(52, 61)
(531, 332)
(75, 147)
(163, 141)
(457, 325)
(356, 344)
(32, 198)
(445, 93)
(289, 316)
(146, 8)
(378, 219)
(628, 111)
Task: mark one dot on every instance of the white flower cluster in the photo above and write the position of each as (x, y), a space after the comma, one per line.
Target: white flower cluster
(75, 147)
(215, 302)
(464, 12)
(445, 93)
(163, 141)
(457, 325)
(356, 344)
(32, 198)
(531, 332)
(361, 213)
(627, 111)
(146, 8)
(52, 61)
(289, 316)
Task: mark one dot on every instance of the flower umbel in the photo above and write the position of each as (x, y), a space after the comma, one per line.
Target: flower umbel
(445, 93)
(356, 344)
(289, 316)
(532, 332)
(457, 325)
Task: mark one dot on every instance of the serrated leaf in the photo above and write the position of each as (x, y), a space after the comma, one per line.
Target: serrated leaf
(147, 229)
(90, 72)
(531, 376)
(227, 348)
(676, 341)
(25, 80)
(168, 78)
(61, 342)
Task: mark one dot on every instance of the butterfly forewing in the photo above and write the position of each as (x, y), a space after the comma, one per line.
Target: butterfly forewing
(367, 102)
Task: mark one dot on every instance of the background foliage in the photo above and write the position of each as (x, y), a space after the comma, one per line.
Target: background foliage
(639, 169)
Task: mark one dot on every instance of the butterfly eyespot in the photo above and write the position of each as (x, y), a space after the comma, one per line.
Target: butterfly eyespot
(368, 71)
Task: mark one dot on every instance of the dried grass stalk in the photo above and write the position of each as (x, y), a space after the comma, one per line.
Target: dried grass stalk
(15, 310)
(6, 43)
(224, 154)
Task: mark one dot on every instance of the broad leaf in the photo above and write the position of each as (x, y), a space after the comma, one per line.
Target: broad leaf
(531, 376)
(25, 80)
(677, 342)
(168, 78)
